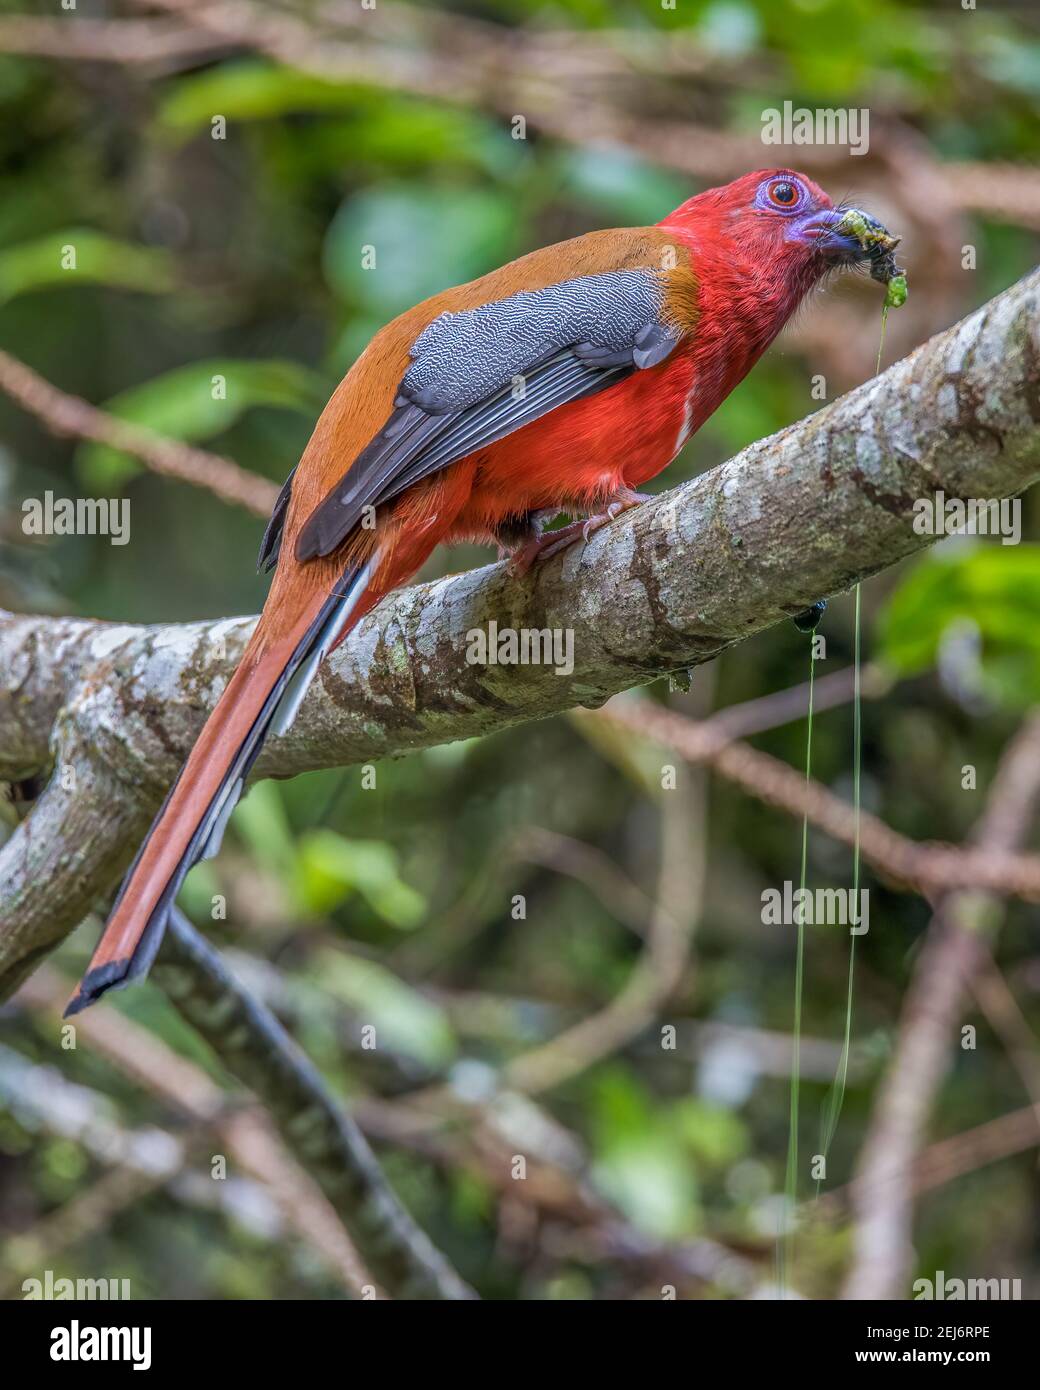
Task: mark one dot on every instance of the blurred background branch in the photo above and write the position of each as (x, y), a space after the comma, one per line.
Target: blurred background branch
(953, 955)
(68, 415)
(136, 1165)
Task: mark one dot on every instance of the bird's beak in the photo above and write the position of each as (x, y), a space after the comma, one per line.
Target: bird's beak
(848, 236)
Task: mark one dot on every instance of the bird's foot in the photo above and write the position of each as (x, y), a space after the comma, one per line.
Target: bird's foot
(544, 546)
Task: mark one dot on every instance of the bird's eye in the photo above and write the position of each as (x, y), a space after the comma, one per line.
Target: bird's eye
(783, 193)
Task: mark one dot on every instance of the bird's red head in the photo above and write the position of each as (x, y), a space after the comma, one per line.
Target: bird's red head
(777, 220)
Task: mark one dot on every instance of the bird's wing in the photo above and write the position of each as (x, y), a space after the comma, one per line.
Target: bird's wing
(478, 375)
(271, 544)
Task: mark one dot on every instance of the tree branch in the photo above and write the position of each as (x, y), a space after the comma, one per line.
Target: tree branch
(78, 419)
(248, 1134)
(114, 709)
(955, 950)
(254, 1046)
(928, 867)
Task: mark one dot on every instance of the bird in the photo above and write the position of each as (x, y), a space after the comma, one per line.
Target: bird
(558, 384)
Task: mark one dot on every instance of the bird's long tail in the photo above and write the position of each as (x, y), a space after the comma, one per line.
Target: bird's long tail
(261, 698)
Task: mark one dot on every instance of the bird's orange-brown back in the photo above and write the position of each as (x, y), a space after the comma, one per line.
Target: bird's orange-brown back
(362, 402)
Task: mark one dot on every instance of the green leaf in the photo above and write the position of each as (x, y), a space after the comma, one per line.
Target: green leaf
(643, 1160)
(332, 868)
(1011, 62)
(261, 823)
(410, 134)
(620, 185)
(198, 401)
(405, 1021)
(715, 1135)
(423, 240)
(79, 256)
(652, 1180)
(249, 91)
(990, 589)
(374, 126)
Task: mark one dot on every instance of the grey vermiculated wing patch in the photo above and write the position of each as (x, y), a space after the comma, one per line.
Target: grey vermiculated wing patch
(563, 379)
(415, 444)
(478, 376)
(463, 358)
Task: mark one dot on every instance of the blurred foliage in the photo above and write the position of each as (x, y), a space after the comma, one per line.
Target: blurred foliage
(241, 259)
(88, 256)
(195, 402)
(980, 601)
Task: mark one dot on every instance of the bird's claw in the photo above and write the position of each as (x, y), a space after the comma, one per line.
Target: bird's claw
(544, 547)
